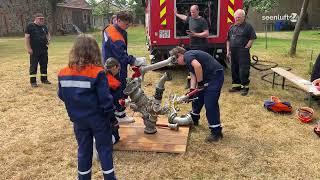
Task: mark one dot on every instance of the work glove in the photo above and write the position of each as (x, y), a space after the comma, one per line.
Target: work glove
(140, 61)
(201, 85)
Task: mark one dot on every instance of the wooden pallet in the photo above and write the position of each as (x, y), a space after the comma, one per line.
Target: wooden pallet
(133, 138)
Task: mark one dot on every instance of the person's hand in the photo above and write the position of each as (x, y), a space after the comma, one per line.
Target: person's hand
(228, 56)
(248, 46)
(30, 51)
(191, 33)
(140, 61)
(316, 82)
(200, 85)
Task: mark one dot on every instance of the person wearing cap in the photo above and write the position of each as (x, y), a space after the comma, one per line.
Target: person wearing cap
(207, 79)
(112, 68)
(37, 39)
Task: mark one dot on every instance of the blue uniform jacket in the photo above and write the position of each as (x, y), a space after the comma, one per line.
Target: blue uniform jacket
(85, 93)
(114, 45)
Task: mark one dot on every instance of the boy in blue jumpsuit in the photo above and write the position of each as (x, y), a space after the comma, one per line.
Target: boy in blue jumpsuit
(112, 68)
(114, 44)
(84, 89)
(207, 76)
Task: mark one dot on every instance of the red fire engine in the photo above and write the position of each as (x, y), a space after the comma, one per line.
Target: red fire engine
(165, 31)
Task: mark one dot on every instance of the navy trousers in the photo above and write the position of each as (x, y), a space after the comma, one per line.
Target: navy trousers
(100, 129)
(240, 66)
(209, 97)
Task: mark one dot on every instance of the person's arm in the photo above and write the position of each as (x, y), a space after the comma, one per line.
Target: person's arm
(181, 16)
(249, 44)
(228, 50)
(203, 34)
(48, 37)
(105, 99)
(27, 43)
(118, 50)
(193, 81)
(198, 70)
(252, 37)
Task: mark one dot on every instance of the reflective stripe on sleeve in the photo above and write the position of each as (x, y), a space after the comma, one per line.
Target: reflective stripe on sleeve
(32, 75)
(43, 75)
(84, 172)
(105, 36)
(78, 84)
(108, 172)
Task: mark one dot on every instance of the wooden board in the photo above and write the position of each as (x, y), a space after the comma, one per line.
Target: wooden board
(133, 138)
(300, 82)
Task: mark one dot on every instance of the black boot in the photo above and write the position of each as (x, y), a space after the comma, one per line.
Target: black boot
(244, 91)
(33, 82)
(235, 89)
(214, 137)
(44, 80)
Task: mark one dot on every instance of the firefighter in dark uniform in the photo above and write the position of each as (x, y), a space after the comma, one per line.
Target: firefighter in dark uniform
(37, 39)
(240, 39)
(207, 76)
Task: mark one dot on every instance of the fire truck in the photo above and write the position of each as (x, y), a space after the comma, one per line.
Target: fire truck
(164, 30)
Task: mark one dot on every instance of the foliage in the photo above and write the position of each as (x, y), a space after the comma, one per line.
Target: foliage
(261, 5)
(105, 7)
(54, 3)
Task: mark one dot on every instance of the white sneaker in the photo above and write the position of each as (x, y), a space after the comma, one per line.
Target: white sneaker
(125, 119)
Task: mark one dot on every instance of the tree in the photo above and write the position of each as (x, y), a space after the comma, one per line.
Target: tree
(260, 5)
(53, 4)
(297, 28)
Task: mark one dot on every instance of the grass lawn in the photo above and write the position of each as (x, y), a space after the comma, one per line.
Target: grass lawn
(37, 140)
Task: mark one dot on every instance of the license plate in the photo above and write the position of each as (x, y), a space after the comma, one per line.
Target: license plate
(164, 34)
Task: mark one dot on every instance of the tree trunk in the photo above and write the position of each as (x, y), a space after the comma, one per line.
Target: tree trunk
(54, 22)
(246, 9)
(297, 28)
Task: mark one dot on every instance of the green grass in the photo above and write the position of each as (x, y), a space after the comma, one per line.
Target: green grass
(279, 43)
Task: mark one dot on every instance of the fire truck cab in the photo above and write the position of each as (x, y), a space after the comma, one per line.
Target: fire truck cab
(164, 30)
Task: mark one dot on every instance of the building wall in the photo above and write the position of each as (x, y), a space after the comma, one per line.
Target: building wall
(66, 19)
(286, 7)
(16, 14)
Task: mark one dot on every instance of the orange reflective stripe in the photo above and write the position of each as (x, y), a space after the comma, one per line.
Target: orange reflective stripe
(113, 82)
(114, 34)
(89, 71)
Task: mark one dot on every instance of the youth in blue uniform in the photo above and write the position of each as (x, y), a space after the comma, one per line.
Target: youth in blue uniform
(112, 68)
(84, 89)
(206, 74)
(114, 44)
